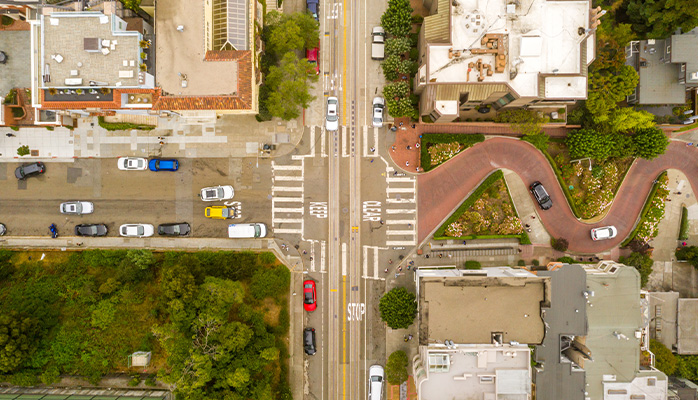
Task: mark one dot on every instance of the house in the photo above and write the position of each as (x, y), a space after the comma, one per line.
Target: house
(503, 54)
(219, 74)
(668, 68)
(674, 322)
(483, 351)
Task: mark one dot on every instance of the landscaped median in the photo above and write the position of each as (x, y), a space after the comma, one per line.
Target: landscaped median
(488, 213)
(437, 148)
(123, 126)
(652, 212)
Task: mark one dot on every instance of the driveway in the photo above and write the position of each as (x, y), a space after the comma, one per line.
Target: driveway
(442, 190)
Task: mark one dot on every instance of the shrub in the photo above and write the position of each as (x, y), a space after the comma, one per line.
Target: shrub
(472, 264)
(535, 262)
(267, 258)
(15, 128)
(414, 54)
(270, 282)
(566, 260)
(150, 381)
(397, 20)
(23, 150)
(398, 308)
(6, 21)
(122, 126)
(559, 244)
(396, 368)
(417, 19)
(521, 263)
(395, 90)
(539, 140)
(642, 262)
(665, 360)
(524, 239)
(397, 46)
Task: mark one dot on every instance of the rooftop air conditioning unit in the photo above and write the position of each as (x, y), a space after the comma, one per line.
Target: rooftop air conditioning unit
(694, 76)
(511, 9)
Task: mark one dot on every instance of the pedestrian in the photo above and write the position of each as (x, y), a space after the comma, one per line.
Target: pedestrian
(407, 163)
(372, 161)
(679, 193)
(426, 256)
(79, 244)
(409, 226)
(162, 143)
(10, 134)
(373, 149)
(390, 261)
(441, 255)
(401, 123)
(386, 270)
(311, 258)
(305, 252)
(408, 147)
(381, 221)
(409, 337)
(668, 199)
(533, 217)
(464, 243)
(393, 149)
(399, 269)
(417, 169)
(396, 275)
(450, 255)
(683, 244)
(528, 226)
(414, 126)
(416, 145)
(528, 230)
(409, 267)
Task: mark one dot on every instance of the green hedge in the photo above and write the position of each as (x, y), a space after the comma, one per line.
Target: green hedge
(683, 232)
(466, 139)
(472, 264)
(123, 126)
(645, 208)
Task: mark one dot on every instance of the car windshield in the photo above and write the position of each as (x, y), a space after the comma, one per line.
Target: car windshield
(210, 193)
(71, 207)
(219, 193)
(141, 230)
(308, 298)
(257, 231)
(92, 229)
(376, 378)
(175, 229)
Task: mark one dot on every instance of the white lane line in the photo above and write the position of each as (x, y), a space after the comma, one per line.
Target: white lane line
(399, 179)
(277, 210)
(399, 221)
(312, 255)
(399, 190)
(322, 142)
(286, 200)
(365, 260)
(344, 259)
(286, 189)
(287, 220)
(398, 201)
(400, 211)
(396, 232)
(375, 263)
(322, 256)
(312, 142)
(276, 167)
(288, 178)
(400, 243)
(365, 135)
(288, 230)
(345, 139)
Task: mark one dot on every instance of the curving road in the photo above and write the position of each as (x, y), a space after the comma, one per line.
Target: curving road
(443, 189)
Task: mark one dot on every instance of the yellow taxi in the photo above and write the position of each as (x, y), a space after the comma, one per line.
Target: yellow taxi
(220, 212)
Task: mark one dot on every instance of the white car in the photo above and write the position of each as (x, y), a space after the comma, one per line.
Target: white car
(77, 207)
(332, 115)
(375, 382)
(132, 163)
(136, 230)
(216, 193)
(378, 109)
(606, 232)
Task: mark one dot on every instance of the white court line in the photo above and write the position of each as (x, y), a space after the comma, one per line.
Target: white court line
(399, 190)
(396, 232)
(286, 189)
(322, 256)
(288, 230)
(400, 211)
(399, 221)
(288, 178)
(398, 201)
(400, 243)
(344, 259)
(286, 167)
(286, 220)
(277, 210)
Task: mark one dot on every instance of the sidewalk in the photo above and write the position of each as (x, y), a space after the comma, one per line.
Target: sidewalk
(407, 159)
(155, 242)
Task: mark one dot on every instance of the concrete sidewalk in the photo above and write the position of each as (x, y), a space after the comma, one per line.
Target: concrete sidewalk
(154, 242)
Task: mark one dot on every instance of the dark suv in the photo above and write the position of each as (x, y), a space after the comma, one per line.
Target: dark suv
(27, 170)
(309, 341)
(541, 195)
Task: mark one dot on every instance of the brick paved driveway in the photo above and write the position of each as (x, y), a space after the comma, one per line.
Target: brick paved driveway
(443, 189)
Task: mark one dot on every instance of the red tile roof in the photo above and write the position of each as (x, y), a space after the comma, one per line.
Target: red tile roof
(115, 104)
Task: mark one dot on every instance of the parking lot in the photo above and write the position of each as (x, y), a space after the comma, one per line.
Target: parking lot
(28, 207)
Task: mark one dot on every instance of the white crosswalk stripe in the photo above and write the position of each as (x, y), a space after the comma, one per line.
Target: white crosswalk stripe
(371, 267)
(287, 182)
(401, 209)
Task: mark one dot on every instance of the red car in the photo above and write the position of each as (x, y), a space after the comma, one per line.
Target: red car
(309, 297)
(311, 55)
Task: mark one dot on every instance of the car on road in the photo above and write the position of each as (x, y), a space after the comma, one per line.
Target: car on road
(132, 163)
(332, 116)
(312, 56)
(220, 212)
(309, 341)
(378, 108)
(163, 165)
(541, 195)
(3, 229)
(313, 8)
(26, 170)
(77, 207)
(247, 231)
(136, 230)
(174, 229)
(309, 295)
(91, 230)
(216, 193)
(375, 382)
(606, 232)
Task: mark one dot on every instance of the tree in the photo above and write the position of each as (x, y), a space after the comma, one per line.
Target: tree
(390, 66)
(398, 308)
(396, 90)
(288, 88)
(132, 4)
(291, 32)
(559, 244)
(689, 254)
(642, 262)
(18, 337)
(401, 108)
(607, 88)
(141, 258)
(397, 46)
(626, 119)
(665, 360)
(660, 18)
(584, 143)
(396, 368)
(650, 143)
(525, 122)
(397, 18)
(270, 282)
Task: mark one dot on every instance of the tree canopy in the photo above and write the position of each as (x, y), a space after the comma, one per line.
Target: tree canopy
(658, 19)
(665, 360)
(396, 368)
(397, 19)
(288, 85)
(18, 335)
(398, 308)
(642, 262)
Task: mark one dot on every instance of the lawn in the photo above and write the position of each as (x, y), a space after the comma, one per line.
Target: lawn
(215, 322)
(437, 148)
(591, 191)
(487, 213)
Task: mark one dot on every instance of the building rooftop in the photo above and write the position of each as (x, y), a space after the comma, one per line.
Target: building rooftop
(484, 305)
(557, 377)
(685, 50)
(82, 49)
(477, 372)
(663, 310)
(659, 80)
(687, 335)
(15, 74)
(499, 41)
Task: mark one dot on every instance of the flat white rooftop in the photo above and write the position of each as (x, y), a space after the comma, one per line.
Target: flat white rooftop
(539, 36)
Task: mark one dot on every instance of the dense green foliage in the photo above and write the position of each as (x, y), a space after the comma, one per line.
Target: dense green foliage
(288, 83)
(644, 143)
(641, 262)
(466, 140)
(665, 360)
(660, 18)
(652, 212)
(398, 308)
(538, 140)
(397, 46)
(525, 122)
(210, 332)
(396, 368)
(472, 264)
(122, 126)
(689, 254)
(397, 20)
(559, 244)
(395, 90)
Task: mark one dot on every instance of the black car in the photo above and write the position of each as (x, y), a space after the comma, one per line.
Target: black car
(175, 229)
(27, 170)
(91, 230)
(541, 195)
(309, 341)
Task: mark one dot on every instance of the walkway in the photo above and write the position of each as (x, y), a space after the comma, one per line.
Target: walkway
(442, 190)
(490, 128)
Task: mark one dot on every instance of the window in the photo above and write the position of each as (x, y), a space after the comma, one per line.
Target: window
(506, 99)
(651, 381)
(617, 391)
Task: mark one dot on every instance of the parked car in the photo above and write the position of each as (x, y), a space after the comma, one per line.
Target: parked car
(132, 163)
(216, 193)
(312, 56)
(163, 165)
(77, 207)
(541, 195)
(375, 382)
(91, 230)
(247, 231)
(136, 230)
(309, 295)
(332, 117)
(220, 212)
(3, 229)
(26, 170)
(313, 8)
(378, 108)
(606, 232)
(309, 341)
(174, 229)
(377, 43)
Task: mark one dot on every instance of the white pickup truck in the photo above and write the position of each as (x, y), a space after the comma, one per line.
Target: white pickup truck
(378, 43)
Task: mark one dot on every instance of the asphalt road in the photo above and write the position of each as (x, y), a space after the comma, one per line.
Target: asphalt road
(28, 207)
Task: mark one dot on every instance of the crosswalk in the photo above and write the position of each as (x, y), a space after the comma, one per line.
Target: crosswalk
(401, 209)
(318, 249)
(287, 207)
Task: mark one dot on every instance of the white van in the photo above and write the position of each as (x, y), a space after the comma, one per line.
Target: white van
(375, 382)
(243, 231)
